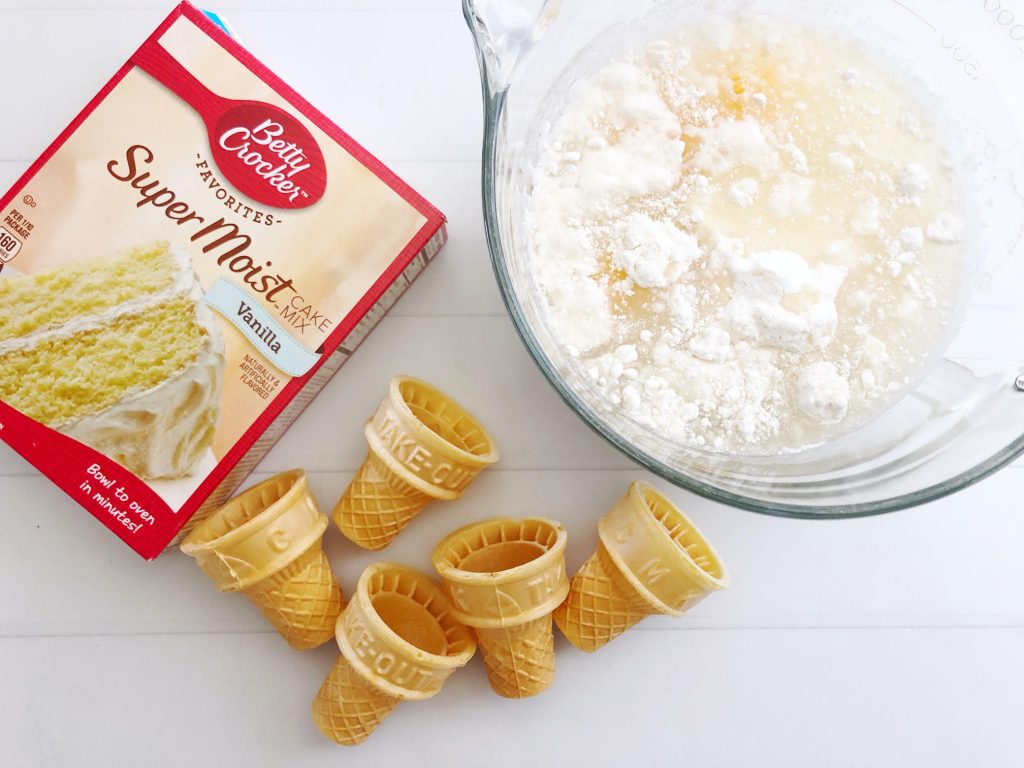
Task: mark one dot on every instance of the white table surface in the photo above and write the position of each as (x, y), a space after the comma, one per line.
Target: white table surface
(885, 642)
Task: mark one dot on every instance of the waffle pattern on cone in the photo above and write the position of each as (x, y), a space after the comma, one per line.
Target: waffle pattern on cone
(348, 709)
(377, 505)
(601, 605)
(520, 660)
(303, 601)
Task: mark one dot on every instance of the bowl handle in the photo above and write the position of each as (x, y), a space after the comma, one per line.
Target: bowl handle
(503, 31)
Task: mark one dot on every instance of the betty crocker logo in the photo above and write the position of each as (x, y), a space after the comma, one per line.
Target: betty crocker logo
(262, 150)
(269, 156)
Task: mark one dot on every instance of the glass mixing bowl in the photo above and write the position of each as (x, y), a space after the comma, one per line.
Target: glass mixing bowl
(965, 419)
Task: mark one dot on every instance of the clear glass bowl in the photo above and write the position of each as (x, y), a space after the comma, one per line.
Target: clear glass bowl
(965, 420)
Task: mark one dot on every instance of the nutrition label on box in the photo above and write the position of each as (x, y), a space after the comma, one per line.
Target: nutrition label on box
(16, 229)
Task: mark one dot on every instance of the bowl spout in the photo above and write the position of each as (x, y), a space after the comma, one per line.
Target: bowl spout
(503, 31)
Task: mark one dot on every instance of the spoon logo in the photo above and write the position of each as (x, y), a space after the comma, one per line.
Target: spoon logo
(269, 156)
(262, 150)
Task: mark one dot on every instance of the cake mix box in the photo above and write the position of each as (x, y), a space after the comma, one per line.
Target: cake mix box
(181, 272)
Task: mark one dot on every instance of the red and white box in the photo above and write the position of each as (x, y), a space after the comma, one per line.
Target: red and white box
(181, 272)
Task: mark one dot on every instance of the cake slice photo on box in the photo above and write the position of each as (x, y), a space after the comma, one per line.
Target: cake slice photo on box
(119, 353)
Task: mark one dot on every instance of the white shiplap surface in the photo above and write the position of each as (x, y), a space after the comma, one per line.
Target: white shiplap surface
(883, 642)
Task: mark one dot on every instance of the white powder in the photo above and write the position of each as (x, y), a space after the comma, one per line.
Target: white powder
(641, 162)
(912, 239)
(732, 144)
(626, 354)
(744, 192)
(582, 317)
(823, 393)
(791, 197)
(680, 304)
(797, 158)
(946, 230)
(653, 254)
(763, 281)
(722, 266)
(914, 179)
(713, 345)
(647, 157)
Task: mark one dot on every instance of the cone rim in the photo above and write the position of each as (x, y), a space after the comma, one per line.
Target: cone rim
(384, 633)
(538, 564)
(714, 582)
(427, 489)
(197, 545)
(699, 575)
(428, 436)
(195, 541)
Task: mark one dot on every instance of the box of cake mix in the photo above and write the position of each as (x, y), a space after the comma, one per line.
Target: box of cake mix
(181, 272)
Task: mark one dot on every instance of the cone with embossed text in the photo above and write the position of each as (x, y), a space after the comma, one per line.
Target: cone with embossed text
(650, 560)
(267, 544)
(504, 578)
(423, 447)
(399, 641)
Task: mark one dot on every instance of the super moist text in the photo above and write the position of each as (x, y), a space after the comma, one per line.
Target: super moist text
(222, 238)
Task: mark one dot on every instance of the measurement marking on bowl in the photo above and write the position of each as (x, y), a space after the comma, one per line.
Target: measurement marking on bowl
(1006, 18)
(1019, 383)
(960, 53)
(912, 12)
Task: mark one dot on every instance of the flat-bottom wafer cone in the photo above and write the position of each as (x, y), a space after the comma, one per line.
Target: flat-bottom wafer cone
(603, 606)
(520, 660)
(348, 707)
(378, 504)
(651, 559)
(505, 577)
(399, 641)
(267, 543)
(303, 601)
(423, 447)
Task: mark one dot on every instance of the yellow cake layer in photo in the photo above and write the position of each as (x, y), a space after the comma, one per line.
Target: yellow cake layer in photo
(49, 299)
(63, 378)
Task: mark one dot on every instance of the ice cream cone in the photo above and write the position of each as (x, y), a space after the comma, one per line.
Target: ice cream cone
(422, 447)
(399, 641)
(267, 544)
(504, 578)
(650, 560)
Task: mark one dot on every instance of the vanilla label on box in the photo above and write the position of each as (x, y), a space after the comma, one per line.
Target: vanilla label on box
(181, 272)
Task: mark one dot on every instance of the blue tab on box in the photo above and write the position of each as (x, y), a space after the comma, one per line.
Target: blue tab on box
(217, 19)
(267, 335)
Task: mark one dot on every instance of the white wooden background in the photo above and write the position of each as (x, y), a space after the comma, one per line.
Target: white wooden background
(886, 642)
